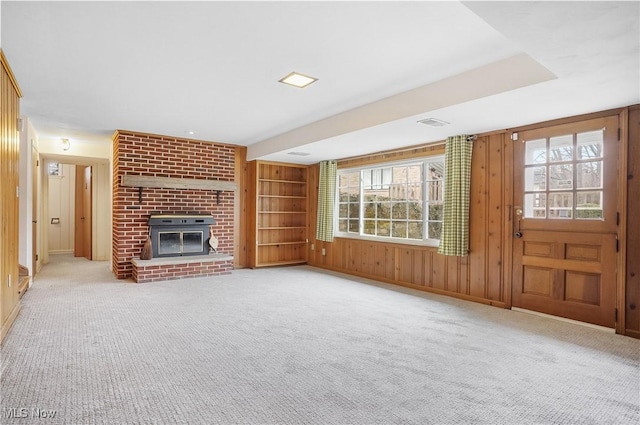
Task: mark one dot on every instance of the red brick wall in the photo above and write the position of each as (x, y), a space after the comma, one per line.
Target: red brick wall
(163, 156)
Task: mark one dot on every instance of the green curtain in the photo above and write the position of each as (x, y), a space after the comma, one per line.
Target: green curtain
(457, 183)
(326, 200)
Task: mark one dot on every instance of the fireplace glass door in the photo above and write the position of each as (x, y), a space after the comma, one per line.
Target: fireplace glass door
(177, 243)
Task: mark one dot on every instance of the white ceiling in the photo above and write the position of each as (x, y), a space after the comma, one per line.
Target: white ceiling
(89, 68)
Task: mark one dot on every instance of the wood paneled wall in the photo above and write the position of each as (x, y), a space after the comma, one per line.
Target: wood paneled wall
(480, 276)
(485, 275)
(9, 177)
(632, 287)
(243, 201)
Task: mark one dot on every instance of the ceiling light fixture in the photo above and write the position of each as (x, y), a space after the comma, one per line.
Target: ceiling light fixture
(433, 122)
(299, 153)
(297, 80)
(65, 144)
(190, 133)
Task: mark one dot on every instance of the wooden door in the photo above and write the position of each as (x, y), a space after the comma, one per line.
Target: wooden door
(565, 220)
(82, 238)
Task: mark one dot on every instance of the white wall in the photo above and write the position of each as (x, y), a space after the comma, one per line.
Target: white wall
(62, 208)
(28, 141)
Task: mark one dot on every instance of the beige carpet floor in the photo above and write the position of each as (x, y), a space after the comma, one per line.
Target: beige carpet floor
(298, 345)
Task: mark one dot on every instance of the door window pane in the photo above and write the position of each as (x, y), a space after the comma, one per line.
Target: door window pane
(561, 176)
(589, 204)
(589, 175)
(561, 205)
(535, 205)
(561, 148)
(590, 144)
(536, 152)
(535, 179)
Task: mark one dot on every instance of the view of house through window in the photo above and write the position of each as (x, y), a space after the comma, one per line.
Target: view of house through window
(563, 177)
(394, 200)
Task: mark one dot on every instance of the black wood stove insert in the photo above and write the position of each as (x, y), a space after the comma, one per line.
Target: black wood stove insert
(174, 235)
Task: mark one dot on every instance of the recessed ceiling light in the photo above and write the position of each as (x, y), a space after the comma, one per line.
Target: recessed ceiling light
(190, 133)
(433, 122)
(297, 80)
(299, 153)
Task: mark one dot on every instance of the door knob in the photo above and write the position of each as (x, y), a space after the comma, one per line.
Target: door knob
(518, 235)
(34, 221)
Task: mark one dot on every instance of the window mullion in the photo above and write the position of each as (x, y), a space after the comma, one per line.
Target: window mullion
(425, 202)
(361, 206)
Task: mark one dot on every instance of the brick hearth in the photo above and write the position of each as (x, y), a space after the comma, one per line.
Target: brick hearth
(180, 267)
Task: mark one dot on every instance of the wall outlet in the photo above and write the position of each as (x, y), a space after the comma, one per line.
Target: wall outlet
(313, 247)
(324, 251)
(9, 281)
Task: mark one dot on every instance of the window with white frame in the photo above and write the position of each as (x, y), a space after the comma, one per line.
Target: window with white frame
(401, 200)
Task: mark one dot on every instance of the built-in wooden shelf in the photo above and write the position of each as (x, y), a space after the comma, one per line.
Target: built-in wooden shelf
(282, 196)
(279, 214)
(282, 243)
(283, 181)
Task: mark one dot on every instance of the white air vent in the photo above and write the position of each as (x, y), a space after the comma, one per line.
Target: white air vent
(299, 153)
(433, 122)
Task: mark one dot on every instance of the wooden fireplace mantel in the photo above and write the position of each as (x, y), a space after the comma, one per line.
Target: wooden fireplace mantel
(176, 183)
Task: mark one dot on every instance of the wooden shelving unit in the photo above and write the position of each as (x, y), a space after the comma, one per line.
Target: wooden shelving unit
(279, 214)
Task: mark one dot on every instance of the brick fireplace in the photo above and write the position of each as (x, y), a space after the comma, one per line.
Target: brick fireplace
(139, 155)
